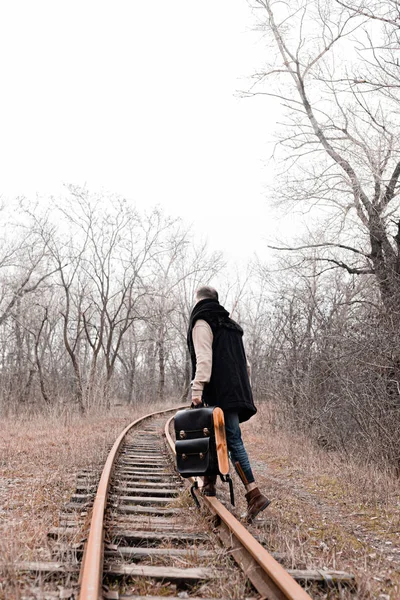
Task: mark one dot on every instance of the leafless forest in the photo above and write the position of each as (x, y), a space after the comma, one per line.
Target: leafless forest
(333, 344)
(95, 296)
(95, 303)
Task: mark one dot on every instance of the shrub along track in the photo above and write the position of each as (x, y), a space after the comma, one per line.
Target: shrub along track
(145, 539)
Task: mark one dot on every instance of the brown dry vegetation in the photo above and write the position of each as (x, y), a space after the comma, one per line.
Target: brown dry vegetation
(327, 511)
(39, 459)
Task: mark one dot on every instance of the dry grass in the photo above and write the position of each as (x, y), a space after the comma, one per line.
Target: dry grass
(39, 459)
(328, 510)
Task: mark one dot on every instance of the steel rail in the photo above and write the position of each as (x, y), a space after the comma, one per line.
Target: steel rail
(92, 565)
(274, 582)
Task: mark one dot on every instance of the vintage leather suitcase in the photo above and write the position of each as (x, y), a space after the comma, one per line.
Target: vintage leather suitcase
(196, 452)
(200, 445)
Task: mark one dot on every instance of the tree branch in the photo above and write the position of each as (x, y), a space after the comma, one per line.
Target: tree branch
(327, 244)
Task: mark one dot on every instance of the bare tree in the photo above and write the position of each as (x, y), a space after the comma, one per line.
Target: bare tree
(342, 147)
(24, 259)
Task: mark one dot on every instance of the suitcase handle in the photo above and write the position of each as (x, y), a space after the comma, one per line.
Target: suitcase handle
(201, 405)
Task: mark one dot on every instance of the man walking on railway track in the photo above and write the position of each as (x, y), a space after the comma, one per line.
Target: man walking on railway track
(220, 377)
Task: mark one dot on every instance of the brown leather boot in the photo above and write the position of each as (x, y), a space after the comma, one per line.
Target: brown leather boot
(256, 502)
(208, 488)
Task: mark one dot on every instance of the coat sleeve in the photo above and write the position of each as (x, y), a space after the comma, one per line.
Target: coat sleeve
(202, 342)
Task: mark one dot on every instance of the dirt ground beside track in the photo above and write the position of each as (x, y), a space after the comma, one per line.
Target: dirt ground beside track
(327, 510)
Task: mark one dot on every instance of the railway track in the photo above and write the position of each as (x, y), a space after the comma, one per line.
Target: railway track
(146, 540)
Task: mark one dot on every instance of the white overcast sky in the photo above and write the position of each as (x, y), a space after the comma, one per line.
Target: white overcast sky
(140, 98)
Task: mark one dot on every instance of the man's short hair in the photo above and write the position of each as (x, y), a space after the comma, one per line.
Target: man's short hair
(206, 293)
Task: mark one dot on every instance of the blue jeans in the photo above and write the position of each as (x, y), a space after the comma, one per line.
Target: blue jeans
(234, 441)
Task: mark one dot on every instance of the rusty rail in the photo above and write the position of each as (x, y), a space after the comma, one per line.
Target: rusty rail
(267, 575)
(92, 566)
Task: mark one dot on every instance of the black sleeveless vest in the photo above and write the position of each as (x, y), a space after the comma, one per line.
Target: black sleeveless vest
(229, 386)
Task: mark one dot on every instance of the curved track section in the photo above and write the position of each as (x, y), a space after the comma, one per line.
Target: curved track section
(152, 535)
